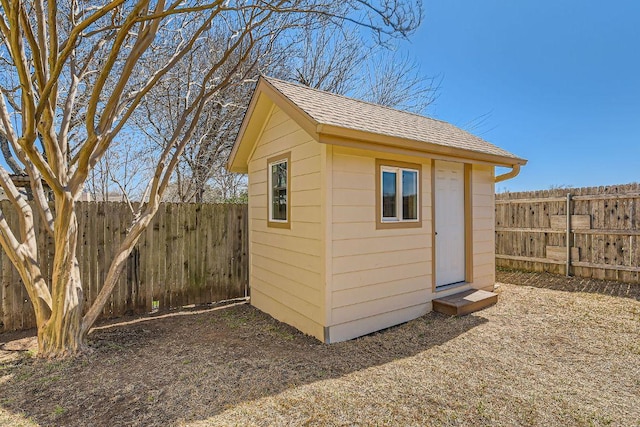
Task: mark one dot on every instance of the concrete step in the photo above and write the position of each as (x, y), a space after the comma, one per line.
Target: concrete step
(465, 302)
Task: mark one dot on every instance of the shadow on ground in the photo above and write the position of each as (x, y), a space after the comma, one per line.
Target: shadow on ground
(193, 367)
(570, 284)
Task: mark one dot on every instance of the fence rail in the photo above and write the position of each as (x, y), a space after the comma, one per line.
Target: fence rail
(586, 232)
(189, 254)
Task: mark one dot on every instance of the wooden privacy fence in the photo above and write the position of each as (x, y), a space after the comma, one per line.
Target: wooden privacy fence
(598, 238)
(189, 254)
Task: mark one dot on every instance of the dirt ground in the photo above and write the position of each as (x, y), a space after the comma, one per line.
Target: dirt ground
(553, 351)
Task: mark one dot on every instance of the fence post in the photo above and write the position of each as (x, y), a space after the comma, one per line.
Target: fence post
(568, 210)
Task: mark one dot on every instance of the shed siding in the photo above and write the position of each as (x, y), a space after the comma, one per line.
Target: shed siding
(379, 278)
(482, 189)
(286, 264)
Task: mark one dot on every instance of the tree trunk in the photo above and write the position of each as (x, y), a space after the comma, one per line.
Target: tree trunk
(62, 334)
(64, 337)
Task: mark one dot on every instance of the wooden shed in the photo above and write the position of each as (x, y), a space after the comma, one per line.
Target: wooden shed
(361, 215)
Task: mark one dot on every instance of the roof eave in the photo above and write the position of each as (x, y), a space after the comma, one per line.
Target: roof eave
(264, 94)
(234, 163)
(335, 135)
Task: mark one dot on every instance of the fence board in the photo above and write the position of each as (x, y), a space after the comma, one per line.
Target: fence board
(531, 231)
(189, 254)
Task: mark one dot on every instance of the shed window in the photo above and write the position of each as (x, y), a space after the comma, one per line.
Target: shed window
(279, 202)
(399, 188)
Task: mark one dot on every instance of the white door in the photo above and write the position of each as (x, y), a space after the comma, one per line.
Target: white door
(449, 223)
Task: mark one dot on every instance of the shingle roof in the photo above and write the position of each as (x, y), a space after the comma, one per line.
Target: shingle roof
(337, 110)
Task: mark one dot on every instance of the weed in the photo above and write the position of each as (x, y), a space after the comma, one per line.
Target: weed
(56, 365)
(25, 375)
(482, 409)
(280, 332)
(58, 410)
(233, 318)
(113, 346)
(48, 380)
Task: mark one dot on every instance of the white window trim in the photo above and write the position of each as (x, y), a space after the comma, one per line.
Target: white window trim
(270, 192)
(398, 171)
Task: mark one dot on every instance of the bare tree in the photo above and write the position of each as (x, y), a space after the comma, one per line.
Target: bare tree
(219, 121)
(327, 58)
(395, 80)
(123, 170)
(72, 76)
(340, 61)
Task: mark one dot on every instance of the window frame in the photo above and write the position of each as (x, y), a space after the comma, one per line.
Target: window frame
(272, 161)
(383, 165)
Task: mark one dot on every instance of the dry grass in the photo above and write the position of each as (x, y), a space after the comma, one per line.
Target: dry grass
(539, 357)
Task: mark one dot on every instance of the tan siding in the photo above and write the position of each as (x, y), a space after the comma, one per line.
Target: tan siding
(286, 264)
(481, 185)
(483, 227)
(374, 245)
(307, 213)
(482, 270)
(480, 223)
(483, 200)
(488, 280)
(353, 180)
(363, 230)
(304, 303)
(375, 322)
(258, 189)
(284, 143)
(286, 314)
(306, 149)
(300, 275)
(393, 302)
(351, 197)
(484, 258)
(306, 181)
(365, 262)
(258, 212)
(305, 198)
(353, 161)
(277, 117)
(306, 165)
(381, 275)
(348, 214)
(302, 244)
(483, 235)
(483, 212)
(304, 230)
(291, 255)
(377, 275)
(348, 297)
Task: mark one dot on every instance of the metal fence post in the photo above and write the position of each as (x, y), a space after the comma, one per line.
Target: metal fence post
(568, 210)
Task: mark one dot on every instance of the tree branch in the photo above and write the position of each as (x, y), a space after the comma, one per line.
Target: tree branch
(68, 45)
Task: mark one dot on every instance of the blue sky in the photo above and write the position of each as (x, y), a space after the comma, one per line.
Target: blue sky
(559, 82)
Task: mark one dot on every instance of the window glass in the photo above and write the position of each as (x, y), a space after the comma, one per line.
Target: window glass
(398, 195)
(409, 194)
(279, 191)
(389, 194)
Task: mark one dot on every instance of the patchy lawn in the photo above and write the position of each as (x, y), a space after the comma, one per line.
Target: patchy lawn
(544, 355)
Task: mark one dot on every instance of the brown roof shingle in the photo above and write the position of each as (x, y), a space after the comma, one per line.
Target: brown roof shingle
(337, 110)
